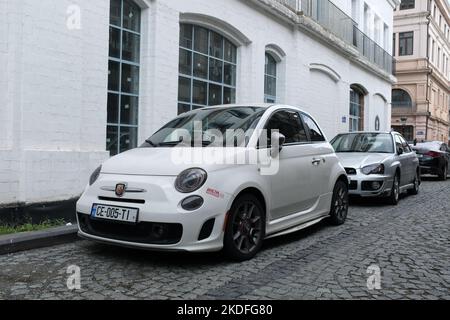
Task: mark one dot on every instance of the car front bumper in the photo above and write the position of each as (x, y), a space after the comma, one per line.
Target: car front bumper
(362, 185)
(182, 230)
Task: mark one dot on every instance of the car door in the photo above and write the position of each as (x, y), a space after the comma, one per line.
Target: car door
(409, 162)
(290, 184)
(322, 158)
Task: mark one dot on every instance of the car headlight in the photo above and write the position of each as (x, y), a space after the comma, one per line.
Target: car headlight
(95, 175)
(190, 180)
(373, 169)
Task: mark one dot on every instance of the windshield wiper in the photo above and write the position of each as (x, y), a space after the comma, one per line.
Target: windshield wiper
(150, 143)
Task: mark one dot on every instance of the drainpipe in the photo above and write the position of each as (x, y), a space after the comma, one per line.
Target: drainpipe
(429, 71)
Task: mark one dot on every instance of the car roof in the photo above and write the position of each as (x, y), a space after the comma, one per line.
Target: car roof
(254, 105)
(368, 132)
(242, 105)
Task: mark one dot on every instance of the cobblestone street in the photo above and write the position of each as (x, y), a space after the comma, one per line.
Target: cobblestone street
(410, 243)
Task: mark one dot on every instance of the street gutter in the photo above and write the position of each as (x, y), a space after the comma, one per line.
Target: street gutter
(16, 242)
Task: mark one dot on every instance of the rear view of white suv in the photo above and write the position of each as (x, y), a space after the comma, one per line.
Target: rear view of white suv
(224, 177)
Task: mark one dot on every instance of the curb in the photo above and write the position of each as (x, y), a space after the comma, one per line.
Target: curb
(37, 239)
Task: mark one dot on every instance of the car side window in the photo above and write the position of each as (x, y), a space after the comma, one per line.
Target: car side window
(289, 124)
(398, 143)
(405, 145)
(314, 132)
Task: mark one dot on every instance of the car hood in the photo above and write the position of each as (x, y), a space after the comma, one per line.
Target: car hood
(168, 161)
(358, 160)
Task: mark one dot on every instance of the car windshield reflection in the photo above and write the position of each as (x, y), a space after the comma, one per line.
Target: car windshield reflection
(364, 143)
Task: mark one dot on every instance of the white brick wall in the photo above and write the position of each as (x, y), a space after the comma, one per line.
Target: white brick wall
(53, 106)
(53, 83)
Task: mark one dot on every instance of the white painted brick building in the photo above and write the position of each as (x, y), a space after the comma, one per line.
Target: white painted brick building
(55, 59)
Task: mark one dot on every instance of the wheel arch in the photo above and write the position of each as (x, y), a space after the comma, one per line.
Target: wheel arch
(342, 178)
(255, 192)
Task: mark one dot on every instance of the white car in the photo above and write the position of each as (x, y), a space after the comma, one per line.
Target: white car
(169, 195)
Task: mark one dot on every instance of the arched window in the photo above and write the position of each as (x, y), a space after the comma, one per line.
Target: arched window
(123, 79)
(401, 99)
(270, 79)
(356, 109)
(207, 69)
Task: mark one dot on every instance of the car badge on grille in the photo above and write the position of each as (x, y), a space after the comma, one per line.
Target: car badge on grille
(120, 189)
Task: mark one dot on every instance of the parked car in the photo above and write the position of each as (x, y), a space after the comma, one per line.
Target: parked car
(379, 164)
(434, 158)
(142, 199)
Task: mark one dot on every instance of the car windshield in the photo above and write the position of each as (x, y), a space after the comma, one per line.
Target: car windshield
(204, 127)
(364, 142)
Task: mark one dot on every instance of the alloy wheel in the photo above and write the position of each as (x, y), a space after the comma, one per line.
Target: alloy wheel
(341, 204)
(396, 189)
(247, 227)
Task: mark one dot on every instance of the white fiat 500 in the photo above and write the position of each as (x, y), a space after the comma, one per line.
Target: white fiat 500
(224, 177)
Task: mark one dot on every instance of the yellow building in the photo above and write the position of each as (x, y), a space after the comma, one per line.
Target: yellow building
(421, 98)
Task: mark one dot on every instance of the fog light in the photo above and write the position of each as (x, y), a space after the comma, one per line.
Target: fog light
(376, 185)
(192, 203)
(158, 231)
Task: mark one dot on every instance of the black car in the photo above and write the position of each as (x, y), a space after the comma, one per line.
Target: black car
(434, 158)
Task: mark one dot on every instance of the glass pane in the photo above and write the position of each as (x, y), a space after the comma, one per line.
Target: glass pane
(200, 66)
(199, 92)
(230, 74)
(113, 76)
(229, 95)
(186, 36)
(270, 87)
(131, 47)
(131, 16)
(215, 70)
(114, 43)
(112, 135)
(271, 65)
(184, 89)
(215, 95)
(183, 108)
(216, 45)
(201, 40)
(130, 79)
(128, 138)
(113, 108)
(114, 12)
(185, 63)
(129, 110)
(230, 51)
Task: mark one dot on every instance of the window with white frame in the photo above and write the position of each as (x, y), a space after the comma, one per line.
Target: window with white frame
(270, 79)
(207, 69)
(123, 76)
(356, 110)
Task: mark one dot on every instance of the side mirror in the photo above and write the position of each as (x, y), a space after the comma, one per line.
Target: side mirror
(401, 151)
(278, 141)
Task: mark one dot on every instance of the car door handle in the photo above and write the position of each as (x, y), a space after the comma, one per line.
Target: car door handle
(316, 161)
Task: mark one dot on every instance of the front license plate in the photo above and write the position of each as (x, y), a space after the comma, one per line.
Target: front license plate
(121, 214)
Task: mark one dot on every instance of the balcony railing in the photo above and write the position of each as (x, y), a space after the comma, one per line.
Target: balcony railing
(329, 16)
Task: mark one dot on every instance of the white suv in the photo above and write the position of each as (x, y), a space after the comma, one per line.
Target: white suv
(224, 177)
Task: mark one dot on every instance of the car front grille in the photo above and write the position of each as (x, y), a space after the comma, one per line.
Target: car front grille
(142, 232)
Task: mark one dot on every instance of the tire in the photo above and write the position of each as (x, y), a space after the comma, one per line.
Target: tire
(415, 190)
(443, 173)
(394, 197)
(245, 229)
(339, 204)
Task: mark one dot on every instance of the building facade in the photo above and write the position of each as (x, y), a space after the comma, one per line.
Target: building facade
(421, 98)
(82, 80)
